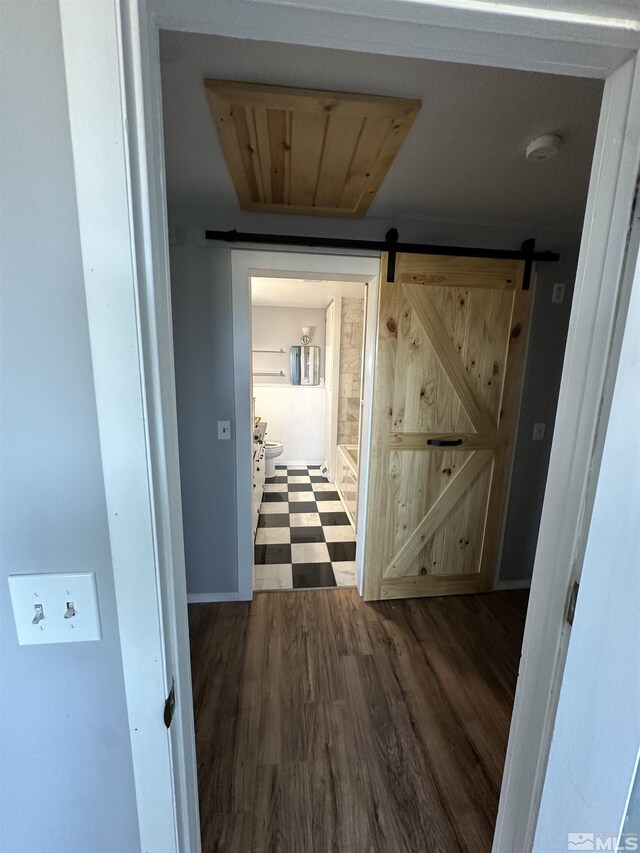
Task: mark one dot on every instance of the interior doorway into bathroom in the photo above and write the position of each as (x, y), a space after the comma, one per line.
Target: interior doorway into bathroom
(304, 331)
(307, 352)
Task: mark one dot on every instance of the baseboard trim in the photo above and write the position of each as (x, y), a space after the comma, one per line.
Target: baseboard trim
(524, 583)
(210, 597)
(280, 461)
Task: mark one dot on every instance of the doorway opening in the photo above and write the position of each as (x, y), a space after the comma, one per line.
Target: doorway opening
(304, 417)
(469, 316)
(307, 397)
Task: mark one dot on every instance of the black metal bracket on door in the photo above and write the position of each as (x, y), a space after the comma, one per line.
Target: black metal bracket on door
(392, 246)
(391, 239)
(529, 251)
(170, 704)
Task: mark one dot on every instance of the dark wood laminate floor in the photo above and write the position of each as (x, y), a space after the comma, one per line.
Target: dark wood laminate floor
(327, 724)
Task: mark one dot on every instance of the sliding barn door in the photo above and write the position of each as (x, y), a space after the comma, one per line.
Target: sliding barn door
(452, 337)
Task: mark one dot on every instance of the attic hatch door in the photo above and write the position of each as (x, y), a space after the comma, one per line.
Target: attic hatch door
(452, 337)
(307, 151)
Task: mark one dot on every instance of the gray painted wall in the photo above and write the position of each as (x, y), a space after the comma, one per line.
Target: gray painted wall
(202, 324)
(539, 401)
(66, 771)
(203, 345)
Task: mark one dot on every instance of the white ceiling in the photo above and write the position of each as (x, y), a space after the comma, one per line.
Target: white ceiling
(300, 293)
(463, 159)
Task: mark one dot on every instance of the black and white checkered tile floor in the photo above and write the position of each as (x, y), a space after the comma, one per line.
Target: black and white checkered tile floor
(304, 539)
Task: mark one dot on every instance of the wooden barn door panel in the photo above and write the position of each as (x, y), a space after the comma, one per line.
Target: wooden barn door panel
(452, 335)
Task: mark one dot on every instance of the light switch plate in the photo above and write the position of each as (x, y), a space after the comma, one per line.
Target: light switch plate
(224, 429)
(68, 604)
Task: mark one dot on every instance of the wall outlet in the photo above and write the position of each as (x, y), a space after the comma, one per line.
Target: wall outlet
(224, 429)
(557, 294)
(538, 431)
(55, 608)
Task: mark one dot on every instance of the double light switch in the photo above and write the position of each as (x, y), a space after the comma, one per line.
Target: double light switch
(55, 608)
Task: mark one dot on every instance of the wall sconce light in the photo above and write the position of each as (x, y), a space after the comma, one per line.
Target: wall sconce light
(306, 338)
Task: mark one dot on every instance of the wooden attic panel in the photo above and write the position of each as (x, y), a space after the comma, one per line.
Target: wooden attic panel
(371, 161)
(307, 129)
(307, 151)
(340, 140)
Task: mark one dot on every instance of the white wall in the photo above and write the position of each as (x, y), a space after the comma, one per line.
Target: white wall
(65, 768)
(281, 328)
(597, 731)
(294, 416)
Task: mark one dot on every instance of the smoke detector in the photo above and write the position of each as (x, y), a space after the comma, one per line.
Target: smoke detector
(544, 147)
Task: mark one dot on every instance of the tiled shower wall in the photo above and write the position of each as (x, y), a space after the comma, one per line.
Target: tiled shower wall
(351, 331)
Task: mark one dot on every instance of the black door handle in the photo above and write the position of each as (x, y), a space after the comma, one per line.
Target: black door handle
(443, 442)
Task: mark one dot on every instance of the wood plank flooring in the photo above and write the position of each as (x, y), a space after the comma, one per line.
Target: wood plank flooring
(324, 723)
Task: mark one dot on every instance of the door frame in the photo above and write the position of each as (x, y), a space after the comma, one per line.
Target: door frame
(111, 47)
(332, 370)
(246, 263)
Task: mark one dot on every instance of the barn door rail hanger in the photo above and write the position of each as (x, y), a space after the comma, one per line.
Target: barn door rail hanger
(392, 246)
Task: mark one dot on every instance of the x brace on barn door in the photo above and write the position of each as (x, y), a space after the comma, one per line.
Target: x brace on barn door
(391, 245)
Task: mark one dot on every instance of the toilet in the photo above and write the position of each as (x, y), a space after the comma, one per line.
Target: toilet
(273, 449)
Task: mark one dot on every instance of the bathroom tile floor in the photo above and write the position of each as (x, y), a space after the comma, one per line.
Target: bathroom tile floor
(304, 539)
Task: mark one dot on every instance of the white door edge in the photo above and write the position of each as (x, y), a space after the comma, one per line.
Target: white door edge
(584, 402)
(370, 342)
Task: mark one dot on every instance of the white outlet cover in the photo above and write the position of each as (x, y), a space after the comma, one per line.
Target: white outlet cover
(557, 294)
(53, 592)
